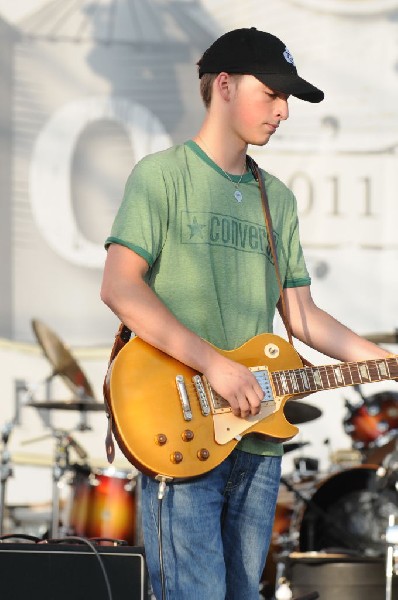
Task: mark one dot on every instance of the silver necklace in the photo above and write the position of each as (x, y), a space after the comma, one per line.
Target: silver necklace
(237, 194)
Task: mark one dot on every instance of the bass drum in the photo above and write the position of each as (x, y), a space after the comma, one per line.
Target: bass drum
(349, 511)
(104, 505)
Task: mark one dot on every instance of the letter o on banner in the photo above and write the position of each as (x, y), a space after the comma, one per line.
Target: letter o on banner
(50, 168)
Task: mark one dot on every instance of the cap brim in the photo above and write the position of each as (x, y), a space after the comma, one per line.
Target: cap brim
(292, 85)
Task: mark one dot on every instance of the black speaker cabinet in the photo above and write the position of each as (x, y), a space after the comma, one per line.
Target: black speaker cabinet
(71, 572)
(338, 577)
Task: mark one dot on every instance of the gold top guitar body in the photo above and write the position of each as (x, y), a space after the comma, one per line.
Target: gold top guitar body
(168, 421)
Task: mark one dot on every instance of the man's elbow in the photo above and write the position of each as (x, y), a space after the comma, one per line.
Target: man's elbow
(106, 295)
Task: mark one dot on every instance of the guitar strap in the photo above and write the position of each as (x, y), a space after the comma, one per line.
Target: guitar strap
(271, 240)
(281, 305)
(123, 334)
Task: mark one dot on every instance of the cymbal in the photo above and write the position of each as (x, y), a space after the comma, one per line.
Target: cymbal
(383, 338)
(300, 412)
(62, 360)
(29, 459)
(69, 405)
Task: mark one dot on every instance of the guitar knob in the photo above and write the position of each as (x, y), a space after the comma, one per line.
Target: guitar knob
(187, 435)
(176, 457)
(161, 439)
(271, 350)
(203, 454)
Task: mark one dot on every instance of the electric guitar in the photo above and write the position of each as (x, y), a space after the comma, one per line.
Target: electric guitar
(169, 422)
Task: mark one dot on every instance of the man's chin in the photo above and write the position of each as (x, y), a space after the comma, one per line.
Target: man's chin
(263, 141)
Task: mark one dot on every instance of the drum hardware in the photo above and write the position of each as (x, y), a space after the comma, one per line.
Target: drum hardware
(287, 541)
(383, 338)
(306, 466)
(392, 554)
(387, 473)
(6, 469)
(29, 519)
(63, 442)
(111, 487)
(284, 592)
(61, 465)
(83, 405)
(22, 393)
(344, 458)
(16, 536)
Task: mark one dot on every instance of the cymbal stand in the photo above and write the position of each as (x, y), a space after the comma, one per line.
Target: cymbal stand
(24, 393)
(79, 393)
(83, 424)
(5, 465)
(392, 555)
(60, 466)
(5, 469)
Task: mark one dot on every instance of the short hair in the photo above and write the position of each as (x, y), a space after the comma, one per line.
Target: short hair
(206, 86)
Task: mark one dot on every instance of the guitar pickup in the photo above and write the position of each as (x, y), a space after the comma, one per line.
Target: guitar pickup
(185, 403)
(202, 397)
(262, 376)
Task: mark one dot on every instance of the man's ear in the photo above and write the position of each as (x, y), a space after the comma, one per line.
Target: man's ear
(223, 84)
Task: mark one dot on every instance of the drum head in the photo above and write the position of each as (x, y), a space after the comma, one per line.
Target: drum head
(350, 511)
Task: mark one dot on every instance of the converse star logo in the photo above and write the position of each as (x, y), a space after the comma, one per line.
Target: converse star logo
(196, 228)
(288, 57)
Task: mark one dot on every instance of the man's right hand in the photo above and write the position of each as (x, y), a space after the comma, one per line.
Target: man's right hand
(236, 384)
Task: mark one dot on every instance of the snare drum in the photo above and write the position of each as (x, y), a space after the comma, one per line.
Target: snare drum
(103, 505)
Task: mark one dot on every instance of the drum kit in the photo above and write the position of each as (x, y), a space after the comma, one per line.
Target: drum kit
(102, 500)
(349, 510)
(345, 510)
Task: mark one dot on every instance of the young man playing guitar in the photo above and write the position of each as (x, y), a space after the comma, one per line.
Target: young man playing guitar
(189, 263)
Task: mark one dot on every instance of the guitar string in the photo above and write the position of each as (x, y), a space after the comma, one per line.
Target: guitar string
(346, 367)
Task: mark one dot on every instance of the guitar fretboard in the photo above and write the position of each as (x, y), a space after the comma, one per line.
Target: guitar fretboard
(313, 379)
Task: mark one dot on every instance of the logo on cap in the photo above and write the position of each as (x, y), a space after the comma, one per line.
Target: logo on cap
(288, 57)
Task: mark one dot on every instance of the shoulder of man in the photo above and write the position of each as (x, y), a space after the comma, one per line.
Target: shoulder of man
(275, 185)
(168, 156)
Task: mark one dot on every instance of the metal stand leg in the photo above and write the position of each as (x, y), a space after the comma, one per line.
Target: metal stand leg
(5, 466)
(6, 471)
(61, 465)
(391, 555)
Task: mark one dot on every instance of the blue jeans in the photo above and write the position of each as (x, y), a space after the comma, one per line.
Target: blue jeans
(216, 529)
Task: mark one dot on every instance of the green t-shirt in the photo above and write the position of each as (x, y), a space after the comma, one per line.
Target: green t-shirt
(209, 258)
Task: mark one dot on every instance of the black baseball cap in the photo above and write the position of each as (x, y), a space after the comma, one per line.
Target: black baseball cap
(258, 53)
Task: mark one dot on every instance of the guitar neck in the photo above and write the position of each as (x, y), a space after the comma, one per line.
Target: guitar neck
(312, 379)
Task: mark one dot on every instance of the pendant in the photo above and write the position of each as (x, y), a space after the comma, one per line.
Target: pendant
(238, 195)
